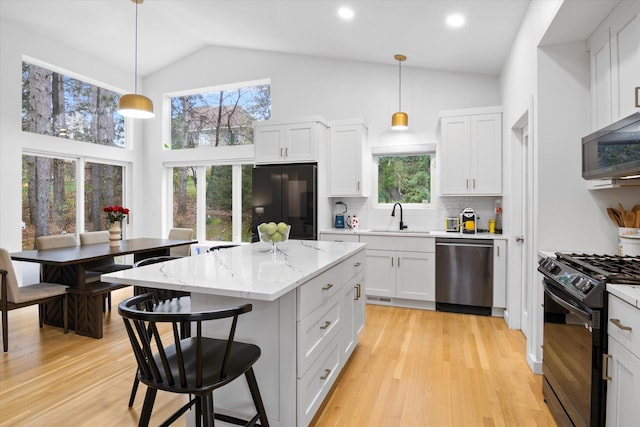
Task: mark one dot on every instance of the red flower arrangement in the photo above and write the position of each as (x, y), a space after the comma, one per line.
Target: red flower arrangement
(115, 213)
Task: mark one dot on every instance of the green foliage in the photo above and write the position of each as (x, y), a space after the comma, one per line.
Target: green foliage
(404, 179)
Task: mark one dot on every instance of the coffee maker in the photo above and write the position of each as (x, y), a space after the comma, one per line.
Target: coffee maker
(468, 221)
(339, 213)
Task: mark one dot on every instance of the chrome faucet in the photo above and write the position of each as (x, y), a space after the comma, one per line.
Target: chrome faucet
(393, 213)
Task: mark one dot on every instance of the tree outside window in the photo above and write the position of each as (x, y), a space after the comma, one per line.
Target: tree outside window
(58, 105)
(48, 198)
(404, 178)
(218, 118)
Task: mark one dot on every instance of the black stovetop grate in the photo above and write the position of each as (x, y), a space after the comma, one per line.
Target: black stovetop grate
(610, 268)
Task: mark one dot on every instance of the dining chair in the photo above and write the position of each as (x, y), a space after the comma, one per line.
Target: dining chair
(95, 269)
(165, 300)
(195, 365)
(55, 241)
(13, 296)
(181, 234)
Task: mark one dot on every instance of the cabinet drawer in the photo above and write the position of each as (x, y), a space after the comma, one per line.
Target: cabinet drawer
(621, 317)
(318, 290)
(315, 331)
(314, 386)
(353, 265)
(394, 243)
(339, 237)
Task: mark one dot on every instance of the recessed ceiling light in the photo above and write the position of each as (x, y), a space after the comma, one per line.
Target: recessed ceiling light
(455, 20)
(346, 13)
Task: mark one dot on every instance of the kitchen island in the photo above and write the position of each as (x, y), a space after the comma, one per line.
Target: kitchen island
(308, 307)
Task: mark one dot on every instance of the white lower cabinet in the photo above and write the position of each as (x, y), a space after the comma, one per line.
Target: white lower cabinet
(407, 274)
(622, 366)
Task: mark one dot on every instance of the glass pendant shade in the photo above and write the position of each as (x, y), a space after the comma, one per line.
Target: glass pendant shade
(135, 106)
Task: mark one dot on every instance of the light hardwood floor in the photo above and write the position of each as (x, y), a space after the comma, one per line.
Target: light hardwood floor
(411, 368)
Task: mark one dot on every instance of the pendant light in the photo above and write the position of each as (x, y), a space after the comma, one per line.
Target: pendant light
(400, 120)
(134, 105)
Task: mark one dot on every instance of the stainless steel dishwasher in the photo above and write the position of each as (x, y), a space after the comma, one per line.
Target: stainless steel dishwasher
(464, 275)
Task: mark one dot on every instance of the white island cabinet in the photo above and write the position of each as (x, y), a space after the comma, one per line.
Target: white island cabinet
(307, 310)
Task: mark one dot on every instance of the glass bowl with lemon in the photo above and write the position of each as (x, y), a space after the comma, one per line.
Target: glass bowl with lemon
(274, 233)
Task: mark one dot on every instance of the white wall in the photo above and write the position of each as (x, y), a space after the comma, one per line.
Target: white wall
(305, 86)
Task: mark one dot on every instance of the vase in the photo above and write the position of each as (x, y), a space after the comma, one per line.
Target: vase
(115, 234)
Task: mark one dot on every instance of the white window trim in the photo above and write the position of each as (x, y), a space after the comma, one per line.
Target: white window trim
(402, 150)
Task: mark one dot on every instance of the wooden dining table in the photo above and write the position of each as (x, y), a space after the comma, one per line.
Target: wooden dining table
(68, 266)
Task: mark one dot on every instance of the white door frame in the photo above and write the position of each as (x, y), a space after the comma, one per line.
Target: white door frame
(522, 295)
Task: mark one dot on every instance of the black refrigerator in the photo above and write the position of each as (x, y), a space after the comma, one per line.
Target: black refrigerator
(286, 193)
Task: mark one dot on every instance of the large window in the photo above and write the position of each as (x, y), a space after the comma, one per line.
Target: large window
(220, 117)
(225, 212)
(404, 178)
(58, 105)
(50, 196)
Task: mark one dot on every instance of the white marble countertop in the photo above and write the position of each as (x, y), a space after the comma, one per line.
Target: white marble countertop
(246, 271)
(415, 233)
(628, 293)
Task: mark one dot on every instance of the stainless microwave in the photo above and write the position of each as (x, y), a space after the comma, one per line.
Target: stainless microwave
(614, 151)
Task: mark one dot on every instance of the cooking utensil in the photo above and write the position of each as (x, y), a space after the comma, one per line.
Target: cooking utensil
(629, 219)
(614, 215)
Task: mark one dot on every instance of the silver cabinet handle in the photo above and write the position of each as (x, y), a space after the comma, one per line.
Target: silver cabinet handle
(398, 261)
(619, 324)
(357, 264)
(281, 152)
(474, 183)
(357, 296)
(326, 325)
(358, 185)
(329, 286)
(605, 367)
(467, 183)
(286, 152)
(326, 374)
(391, 261)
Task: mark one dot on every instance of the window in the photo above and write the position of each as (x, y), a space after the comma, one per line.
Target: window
(221, 117)
(48, 197)
(404, 178)
(226, 209)
(102, 187)
(58, 105)
(185, 197)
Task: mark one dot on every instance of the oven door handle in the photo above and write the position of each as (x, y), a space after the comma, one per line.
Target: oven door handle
(564, 304)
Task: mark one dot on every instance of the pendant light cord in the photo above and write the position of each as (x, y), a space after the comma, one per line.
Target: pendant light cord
(399, 85)
(135, 61)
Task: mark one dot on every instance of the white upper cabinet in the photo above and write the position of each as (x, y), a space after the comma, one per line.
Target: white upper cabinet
(614, 51)
(347, 157)
(471, 152)
(288, 142)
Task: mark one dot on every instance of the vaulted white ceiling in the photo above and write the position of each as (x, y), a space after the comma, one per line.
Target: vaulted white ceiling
(172, 29)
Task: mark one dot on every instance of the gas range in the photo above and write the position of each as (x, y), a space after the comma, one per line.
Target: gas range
(585, 276)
